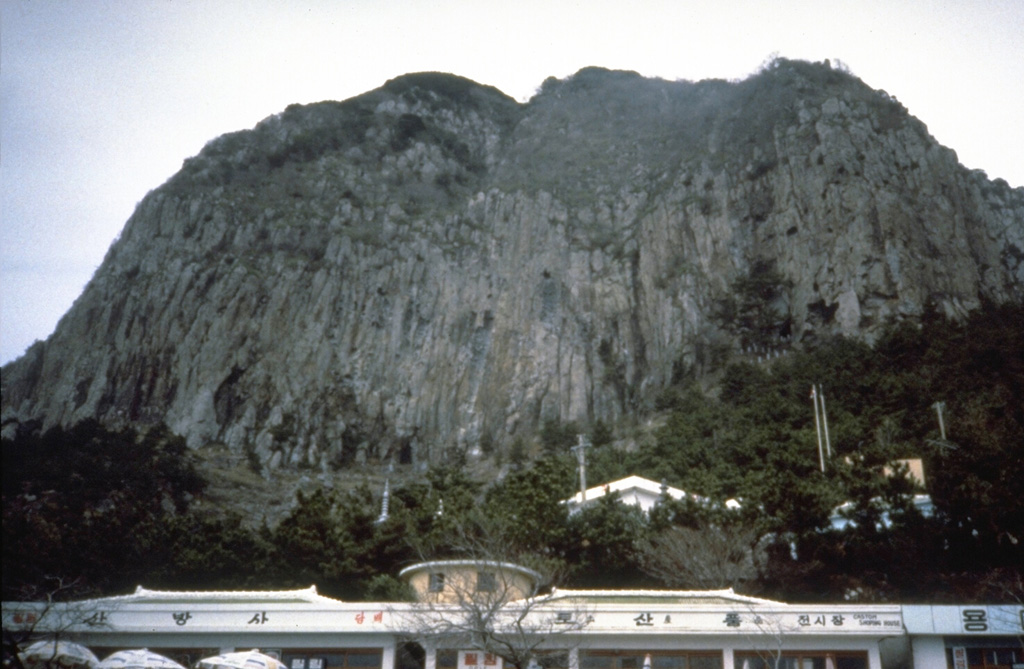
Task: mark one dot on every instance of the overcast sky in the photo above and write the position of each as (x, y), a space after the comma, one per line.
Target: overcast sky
(102, 100)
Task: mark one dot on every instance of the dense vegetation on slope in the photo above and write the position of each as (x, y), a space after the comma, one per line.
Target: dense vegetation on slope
(109, 510)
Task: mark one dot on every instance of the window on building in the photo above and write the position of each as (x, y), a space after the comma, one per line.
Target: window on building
(486, 581)
(332, 658)
(410, 655)
(436, 582)
(551, 659)
(688, 661)
(597, 659)
(447, 659)
(473, 659)
(987, 658)
(802, 660)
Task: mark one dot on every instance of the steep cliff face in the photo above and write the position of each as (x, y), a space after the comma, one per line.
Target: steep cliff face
(433, 266)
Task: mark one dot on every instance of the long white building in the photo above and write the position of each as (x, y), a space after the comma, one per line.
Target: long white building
(571, 629)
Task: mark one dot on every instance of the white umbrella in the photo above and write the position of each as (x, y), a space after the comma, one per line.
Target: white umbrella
(141, 658)
(43, 654)
(250, 659)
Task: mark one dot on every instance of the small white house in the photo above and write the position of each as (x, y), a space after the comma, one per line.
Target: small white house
(636, 491)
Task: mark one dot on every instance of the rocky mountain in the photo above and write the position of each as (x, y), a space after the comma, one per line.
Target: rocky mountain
(433, 267)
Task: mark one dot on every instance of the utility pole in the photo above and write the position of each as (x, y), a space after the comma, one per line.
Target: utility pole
(817, 426)
(581, 457)
(939, 406)
(824, 421)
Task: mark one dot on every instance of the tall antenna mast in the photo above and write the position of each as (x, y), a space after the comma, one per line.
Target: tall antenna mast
(939, 406)
(817, 426)
(824, 421)
(581, 458)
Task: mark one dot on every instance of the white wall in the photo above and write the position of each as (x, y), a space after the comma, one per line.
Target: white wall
(929, 652)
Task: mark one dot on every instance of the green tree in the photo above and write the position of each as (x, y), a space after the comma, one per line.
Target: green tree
(211, 553)
(602, 544)
(528, 504)
(557, 437)
(751, 307)
(329, 540)
(89, 504)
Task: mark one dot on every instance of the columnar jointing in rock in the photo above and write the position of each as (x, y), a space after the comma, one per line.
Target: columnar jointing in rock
(432, 266)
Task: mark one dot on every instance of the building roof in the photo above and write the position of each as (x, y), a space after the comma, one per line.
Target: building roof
(632, 490)
(145, 596)
(249, 616)
(670, 597)
(475, 564)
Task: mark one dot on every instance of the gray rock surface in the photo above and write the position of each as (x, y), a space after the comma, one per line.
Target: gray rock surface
(407, 273)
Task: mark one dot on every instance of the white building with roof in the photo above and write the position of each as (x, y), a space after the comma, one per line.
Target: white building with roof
(187, 626)
(636, 491)
(620, 629)
(966, 636)
(571, 629)
(632, 490)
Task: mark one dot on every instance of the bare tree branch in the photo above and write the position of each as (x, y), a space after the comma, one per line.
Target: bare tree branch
(714, 556)
(495, 622)
(42, 614)
(487, 600)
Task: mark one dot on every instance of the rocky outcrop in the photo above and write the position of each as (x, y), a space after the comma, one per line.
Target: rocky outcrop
(433, 267)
